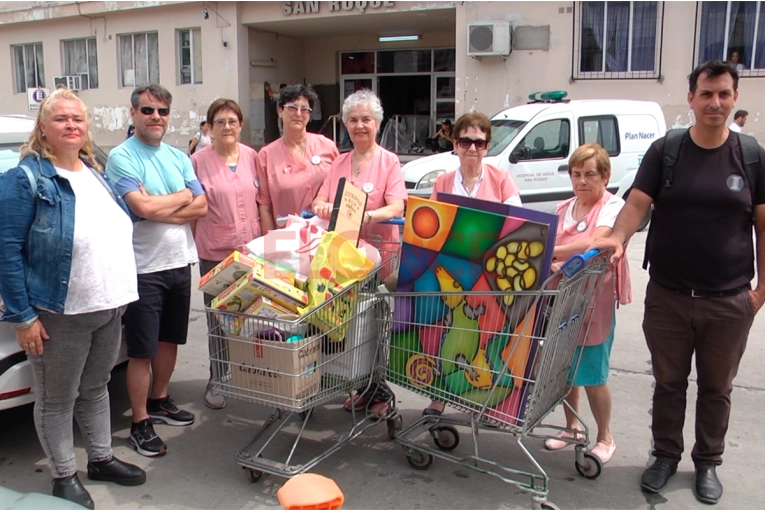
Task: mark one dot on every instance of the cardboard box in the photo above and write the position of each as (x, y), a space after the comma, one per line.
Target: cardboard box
(224, 274)
(261, 307)
(272, 372)
(354, 357)
(277, 283)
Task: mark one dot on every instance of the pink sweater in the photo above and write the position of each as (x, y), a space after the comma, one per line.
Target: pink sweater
(496, 185)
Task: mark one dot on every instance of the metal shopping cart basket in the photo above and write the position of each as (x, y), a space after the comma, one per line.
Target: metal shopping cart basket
(294, 366)
(503, 358)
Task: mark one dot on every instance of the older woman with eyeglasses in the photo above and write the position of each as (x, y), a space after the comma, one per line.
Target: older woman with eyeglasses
(292, 168)
(474, 178)
(227, 171)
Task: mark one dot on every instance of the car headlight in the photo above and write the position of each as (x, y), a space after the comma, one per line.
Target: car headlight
(429, 179)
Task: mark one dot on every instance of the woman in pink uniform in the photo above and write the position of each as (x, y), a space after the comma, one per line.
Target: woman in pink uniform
(226, 170)
(369, 167)
(588, 215)
(292, 169)
(473, 178)
(377, 172)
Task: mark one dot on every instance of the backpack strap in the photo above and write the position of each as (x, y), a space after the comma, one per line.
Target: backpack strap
(673, 140)
(750, 156)
(32, 178)
(672, 143)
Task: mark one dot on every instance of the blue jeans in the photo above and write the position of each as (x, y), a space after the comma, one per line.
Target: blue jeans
(71, 377)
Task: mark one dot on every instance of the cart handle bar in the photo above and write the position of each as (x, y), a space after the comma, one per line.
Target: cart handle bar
(394, 221)
(577, 262)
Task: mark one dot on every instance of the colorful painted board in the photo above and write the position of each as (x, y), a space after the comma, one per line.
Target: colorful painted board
(510, 210)
(455, 347)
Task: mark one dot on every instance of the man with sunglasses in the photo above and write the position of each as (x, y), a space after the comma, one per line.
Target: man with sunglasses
(158, 183)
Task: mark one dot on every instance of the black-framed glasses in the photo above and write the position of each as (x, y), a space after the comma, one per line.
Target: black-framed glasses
(149, 110)
(222, 123)
(293, 109)
(465, 143)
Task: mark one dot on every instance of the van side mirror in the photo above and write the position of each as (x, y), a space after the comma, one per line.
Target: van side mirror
(519, 154)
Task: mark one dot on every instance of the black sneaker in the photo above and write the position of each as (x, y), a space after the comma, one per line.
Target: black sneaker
(164, 410)
(145, 440)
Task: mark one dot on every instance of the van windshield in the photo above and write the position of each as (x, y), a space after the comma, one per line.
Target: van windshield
(502, 133)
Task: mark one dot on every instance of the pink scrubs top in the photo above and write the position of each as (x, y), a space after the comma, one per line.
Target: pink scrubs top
(289, 185)
(381, 180)
(232, 218)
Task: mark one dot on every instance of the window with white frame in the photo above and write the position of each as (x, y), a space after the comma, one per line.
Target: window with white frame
(190, 56)
(617, 40)
(733, 31)
(80, 58)
(139, 59)
(28, 66)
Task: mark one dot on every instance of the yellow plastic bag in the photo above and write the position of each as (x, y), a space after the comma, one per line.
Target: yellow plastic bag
(337, 266)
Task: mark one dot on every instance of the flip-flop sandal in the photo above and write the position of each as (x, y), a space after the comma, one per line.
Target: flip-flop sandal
(432, 411)
(379, 410)
(358, 402)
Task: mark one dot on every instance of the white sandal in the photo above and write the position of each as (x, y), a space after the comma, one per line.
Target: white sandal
(557, 444)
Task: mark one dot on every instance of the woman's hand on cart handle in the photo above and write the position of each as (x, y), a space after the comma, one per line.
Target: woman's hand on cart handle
(611, 244)
(394, 221)
(577, 262)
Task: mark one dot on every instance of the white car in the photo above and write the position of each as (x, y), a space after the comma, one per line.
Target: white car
(16, 384)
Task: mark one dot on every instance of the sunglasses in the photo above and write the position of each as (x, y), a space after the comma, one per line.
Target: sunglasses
(465, 143)
(149, 110)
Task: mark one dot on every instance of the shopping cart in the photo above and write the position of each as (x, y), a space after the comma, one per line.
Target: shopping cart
(506, 367)
(294, 366)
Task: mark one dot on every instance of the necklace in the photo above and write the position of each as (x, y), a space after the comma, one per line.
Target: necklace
(356, 170)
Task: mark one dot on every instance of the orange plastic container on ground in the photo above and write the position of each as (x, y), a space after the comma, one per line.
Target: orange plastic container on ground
(309, 491)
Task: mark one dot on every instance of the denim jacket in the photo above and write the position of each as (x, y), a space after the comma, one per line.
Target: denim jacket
(36, 238)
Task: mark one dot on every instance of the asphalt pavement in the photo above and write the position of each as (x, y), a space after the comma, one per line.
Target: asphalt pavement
(200, 471)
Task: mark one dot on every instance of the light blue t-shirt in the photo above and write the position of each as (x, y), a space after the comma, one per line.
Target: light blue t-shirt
(161, 170)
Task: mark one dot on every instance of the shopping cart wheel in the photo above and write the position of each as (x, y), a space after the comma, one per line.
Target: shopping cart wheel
(254, 474)
(549, 506)
(394, 425)
(418, 460)
(446, 437)
(591, 468)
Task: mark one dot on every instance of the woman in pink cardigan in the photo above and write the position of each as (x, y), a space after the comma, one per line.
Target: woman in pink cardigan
(474, 178)
(226, 170)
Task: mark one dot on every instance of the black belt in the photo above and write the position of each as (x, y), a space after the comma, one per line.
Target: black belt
(712, 293)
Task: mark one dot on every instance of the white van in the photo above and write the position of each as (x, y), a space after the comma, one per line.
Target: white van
(534, 141)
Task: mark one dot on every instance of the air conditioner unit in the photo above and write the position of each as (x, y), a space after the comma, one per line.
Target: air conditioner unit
(489, 39)
(84, 81)
(71, 82)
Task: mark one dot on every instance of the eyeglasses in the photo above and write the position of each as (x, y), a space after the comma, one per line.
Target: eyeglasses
(293, 109)
(149, 110)
(222, 123)
(465, 143)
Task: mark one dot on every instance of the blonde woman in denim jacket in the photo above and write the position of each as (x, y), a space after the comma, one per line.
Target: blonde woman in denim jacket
(67, 272)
